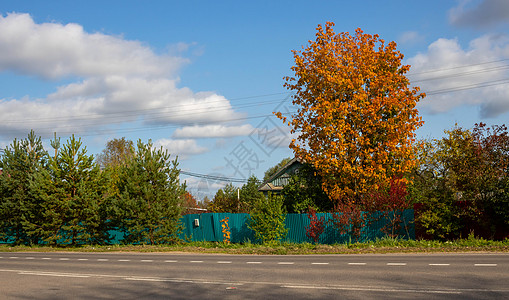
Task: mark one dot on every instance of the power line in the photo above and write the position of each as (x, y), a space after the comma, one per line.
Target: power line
(191, 108)
(458, 67)
(469, 87)
(156, 114)
(99, 132)
(474, 72)
(215, 177)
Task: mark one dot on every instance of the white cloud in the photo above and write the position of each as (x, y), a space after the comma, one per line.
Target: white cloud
(409, 37)
(118, 81)
(52, 51)
(181, 148)
(447, 67)
(272, 138)
(486, 13)
(212, 131)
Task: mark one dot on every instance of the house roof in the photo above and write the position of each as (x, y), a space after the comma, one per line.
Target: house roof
(267, 185)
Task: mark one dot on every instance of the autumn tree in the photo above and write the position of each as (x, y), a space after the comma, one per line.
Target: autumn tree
(478, 165)
(225, 200)
(433, 187)
(487, 180)
(189, 202)
(356, 113)
(461, 183)
(117, 152)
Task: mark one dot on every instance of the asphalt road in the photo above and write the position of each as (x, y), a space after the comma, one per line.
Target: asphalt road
(205, 276)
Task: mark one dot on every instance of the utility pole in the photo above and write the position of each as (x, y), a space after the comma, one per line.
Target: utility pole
(238, 200)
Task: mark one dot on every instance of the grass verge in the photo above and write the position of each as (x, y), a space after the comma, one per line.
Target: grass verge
(381, 246)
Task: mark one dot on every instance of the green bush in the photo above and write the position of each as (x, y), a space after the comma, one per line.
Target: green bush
(267, 219)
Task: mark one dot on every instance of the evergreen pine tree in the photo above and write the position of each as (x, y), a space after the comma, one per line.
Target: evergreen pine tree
(20, 209)
(149, 202)
(73, 193)
(267, 219)
(249, 194)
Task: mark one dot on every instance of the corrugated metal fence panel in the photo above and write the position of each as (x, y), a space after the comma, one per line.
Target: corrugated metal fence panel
(240, 232)
(201, 230)
(209, 228)
(295, 223)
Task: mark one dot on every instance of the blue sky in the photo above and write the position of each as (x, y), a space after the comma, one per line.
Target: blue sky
(202, 78)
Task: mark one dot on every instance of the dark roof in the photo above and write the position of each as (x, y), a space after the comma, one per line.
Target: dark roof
(267, 186)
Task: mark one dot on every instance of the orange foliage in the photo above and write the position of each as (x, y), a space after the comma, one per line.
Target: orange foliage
(356, 112)
(226, 230)
(189, 203)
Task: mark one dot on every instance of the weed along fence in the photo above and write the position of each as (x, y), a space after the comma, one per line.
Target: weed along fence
(207, 227)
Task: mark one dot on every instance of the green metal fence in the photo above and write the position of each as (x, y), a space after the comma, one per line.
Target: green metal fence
(207, 227)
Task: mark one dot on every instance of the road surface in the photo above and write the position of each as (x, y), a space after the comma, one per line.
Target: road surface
(67, 275)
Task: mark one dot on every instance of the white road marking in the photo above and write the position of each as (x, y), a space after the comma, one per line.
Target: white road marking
(46, 258)
(315, 263)
(124, 260)
(357, 264)
(285, 263)
(82, 259)
(146, 260)
(371, 289)
(13, 257)
(196, 261)
(396, 264)
(485, 265)
(253, 262)
(102, 259)
(152, 279)
(283, 285)
(178, 280)
(63, 258)
(170, 261)
(29, 257)
(439, 264)
(224, 262)
(54, 274)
